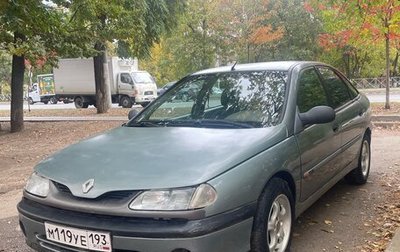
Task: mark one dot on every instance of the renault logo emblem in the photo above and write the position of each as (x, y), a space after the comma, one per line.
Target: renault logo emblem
(88, 185)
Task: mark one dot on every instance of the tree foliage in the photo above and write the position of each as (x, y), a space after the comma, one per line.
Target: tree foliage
(30, 30)
(135, 25)
(352, 26)
(39, 32)
(220, 32)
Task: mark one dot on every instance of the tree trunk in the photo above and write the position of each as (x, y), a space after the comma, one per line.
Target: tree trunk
(103, 94)
(395, 64)
(17, 90)
(387, 44)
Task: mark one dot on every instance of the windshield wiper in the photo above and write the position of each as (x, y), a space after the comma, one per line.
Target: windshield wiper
(207, 123)
(146, 124)
(221, 124)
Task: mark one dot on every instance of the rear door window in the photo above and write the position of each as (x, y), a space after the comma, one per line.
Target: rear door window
(337, 90)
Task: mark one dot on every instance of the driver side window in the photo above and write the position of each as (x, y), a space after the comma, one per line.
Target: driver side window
(311, 92)
(126, 78)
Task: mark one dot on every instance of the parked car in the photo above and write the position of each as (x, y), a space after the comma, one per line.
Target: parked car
(227, 172)
(164, 88)
(187, 93)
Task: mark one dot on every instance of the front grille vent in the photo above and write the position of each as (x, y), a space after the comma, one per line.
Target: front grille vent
(148, 93)
(62, 188)
(109, 196)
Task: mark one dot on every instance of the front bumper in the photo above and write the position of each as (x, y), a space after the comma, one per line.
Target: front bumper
(228, 231)
(144, 98)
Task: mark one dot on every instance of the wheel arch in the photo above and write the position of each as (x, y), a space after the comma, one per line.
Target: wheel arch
(368, 132)
(286, 176)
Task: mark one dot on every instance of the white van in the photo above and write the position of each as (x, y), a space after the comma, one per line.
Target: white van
(146, 87)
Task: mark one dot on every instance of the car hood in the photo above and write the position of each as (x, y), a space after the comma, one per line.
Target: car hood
(135, 158)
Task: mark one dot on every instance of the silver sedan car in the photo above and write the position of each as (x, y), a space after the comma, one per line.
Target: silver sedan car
(228, 170)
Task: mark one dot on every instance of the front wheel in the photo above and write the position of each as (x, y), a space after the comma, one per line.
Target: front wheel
(126, 102)
(30, 100)
(272, 224)
(359, 175)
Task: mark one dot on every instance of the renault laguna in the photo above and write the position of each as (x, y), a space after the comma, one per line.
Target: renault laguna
(227, 170)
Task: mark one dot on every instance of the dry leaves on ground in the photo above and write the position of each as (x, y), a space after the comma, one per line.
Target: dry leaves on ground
(388, 221)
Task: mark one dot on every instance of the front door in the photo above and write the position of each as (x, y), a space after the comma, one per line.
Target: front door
(34, 93)
(319, 144)
(125, 84)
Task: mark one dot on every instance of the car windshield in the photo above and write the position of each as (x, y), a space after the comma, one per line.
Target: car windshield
(142, 77)
(219, 100)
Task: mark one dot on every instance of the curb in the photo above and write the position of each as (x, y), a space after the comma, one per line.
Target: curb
(385, 118)
(385, 125)
(394, 245)
(65, 119)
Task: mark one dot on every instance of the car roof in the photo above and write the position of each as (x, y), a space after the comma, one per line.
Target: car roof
(262, 66)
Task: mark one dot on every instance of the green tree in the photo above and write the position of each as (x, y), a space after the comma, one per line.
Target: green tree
(30, 29)
(300, 29)
(361, 23)
(136, 25)
(5, 73)
(187, 48)
(219, 32)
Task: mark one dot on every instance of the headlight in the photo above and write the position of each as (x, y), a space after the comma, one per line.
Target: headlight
(175, 199)
(37, 185)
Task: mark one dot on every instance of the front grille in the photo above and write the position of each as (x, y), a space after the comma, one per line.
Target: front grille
(114, 195)
(62, 188)
(118, 195)
(148, 93)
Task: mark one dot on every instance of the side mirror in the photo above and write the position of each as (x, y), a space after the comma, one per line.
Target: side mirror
(318, 115)
(132, 113)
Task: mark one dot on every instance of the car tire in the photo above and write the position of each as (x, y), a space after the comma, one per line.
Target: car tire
(46, 102)
(79, 103)
(126, 102)
(53, 100)
(359, 175)
(273, 220)
(30, 100)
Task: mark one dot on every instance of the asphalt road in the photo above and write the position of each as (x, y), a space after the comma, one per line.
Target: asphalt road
(336, 222)
(39, 105)
(373, 97)
(382, 97)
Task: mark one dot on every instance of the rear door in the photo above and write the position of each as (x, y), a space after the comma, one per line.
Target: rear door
(348, 110)
(319, 144)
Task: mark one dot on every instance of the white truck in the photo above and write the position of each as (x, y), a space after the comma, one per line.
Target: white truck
(74, 79)
(43, 90)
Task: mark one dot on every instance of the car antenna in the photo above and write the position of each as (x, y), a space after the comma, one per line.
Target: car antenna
(233, 67)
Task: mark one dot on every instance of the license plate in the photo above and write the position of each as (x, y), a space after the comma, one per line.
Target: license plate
(92, 240)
